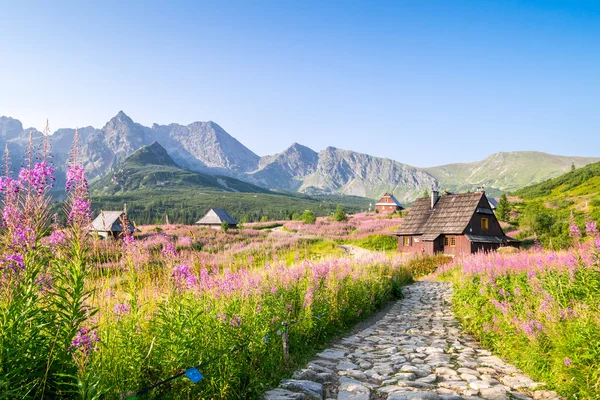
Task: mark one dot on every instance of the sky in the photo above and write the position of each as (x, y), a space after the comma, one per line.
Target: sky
(422, 82)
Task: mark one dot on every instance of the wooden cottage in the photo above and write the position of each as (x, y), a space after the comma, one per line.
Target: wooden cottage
(451, 224)
(215, 217)
(110, 224)
(388, 203)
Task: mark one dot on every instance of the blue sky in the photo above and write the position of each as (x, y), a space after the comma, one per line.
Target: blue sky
(422, 82)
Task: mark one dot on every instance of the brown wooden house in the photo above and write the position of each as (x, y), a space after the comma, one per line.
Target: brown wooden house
(388, 203)
(451, 224)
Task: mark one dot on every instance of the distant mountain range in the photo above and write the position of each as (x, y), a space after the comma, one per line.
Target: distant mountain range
(207, 148)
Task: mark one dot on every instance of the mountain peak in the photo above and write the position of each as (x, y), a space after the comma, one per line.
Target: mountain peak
(152, 154)
(122, 117)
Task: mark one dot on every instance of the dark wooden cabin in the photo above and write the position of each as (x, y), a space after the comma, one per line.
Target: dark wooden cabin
(388, 203)
(452, 224)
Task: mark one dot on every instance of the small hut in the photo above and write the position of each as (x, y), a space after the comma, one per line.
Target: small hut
(215, 217)
(388, 203)
(110, 224)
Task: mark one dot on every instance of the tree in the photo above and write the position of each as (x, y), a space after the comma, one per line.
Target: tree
(573, 168)
(308, 217)
(224, 226)
(426, 193)
(537, 218)
(503, 208)
(340, 214)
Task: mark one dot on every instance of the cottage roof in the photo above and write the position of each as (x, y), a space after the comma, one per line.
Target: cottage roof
(493, 203)
(216, 216)
(391, 196)
(450, 215)
(110, 221)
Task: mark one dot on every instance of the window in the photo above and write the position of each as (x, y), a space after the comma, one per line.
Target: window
(407, 240)
(450, 241)
(484, 224)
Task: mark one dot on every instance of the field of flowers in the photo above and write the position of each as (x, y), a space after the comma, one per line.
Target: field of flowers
(86, 318)
(540, 309)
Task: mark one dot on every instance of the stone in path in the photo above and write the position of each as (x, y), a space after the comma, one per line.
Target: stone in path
(416, 351)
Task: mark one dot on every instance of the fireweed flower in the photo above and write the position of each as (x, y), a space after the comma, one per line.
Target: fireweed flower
(76, 178)
(122, 308)
(575, 232)
(57, 238)
(184, 278)
(222, 317)
(567, 361)
(14, 262)
(38, 178)
(235, 322)
(85, 340)
(80, 211)
(591, 229)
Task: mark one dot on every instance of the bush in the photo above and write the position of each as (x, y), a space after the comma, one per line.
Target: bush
(308, 217)
(224, 226)
(340, 214)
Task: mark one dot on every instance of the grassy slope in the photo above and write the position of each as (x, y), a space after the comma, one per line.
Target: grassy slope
(576, 192)
(506, 171)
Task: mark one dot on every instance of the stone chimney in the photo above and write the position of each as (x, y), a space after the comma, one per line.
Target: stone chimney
(435, 195)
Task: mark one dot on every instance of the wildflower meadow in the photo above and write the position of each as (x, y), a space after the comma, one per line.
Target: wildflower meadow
(86, 318)
(540, 309)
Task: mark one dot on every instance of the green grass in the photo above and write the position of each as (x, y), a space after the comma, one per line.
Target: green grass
(377, 242)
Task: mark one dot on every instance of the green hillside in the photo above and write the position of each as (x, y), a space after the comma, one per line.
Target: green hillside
(546, 210)
(505, 172)
(153, 186)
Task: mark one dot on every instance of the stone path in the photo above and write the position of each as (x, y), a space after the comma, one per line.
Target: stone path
(355, 251)
(416, 351)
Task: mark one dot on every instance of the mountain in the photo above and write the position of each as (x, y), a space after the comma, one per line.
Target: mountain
(358, 174)
(506, 171)
(208, 143)
(153, 186)
(205, 147)
(286, 170)
(150, 168)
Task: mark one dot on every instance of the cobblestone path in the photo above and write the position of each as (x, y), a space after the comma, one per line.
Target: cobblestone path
(416, 351)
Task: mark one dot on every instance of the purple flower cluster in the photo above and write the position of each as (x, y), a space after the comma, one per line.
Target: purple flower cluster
(184, 278)
(574, 229)
(14, 262)
(86, 340)
(76, 178)
(591, 229)
(235, 322)
(122, 308)
(57, 238)
(38, 178)
(9, 185)
(80, 211)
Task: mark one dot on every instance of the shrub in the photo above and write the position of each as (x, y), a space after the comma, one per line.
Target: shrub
(308, 217)
(340, 214)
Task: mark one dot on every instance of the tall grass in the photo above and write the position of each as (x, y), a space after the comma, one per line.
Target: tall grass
(540, 309)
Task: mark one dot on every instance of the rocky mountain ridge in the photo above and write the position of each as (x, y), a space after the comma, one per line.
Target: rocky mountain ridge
(206, 147)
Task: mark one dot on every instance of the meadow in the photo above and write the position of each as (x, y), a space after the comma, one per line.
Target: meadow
(82, 317)
(540, 309)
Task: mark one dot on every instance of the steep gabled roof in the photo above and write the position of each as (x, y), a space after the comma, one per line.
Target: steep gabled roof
(216, 216)
(391, 196)
(450, 215)
(110, 221)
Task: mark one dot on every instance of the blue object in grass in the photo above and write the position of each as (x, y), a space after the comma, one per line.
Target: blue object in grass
(194, 375)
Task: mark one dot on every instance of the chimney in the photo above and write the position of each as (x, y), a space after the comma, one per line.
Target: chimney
(435, 195)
